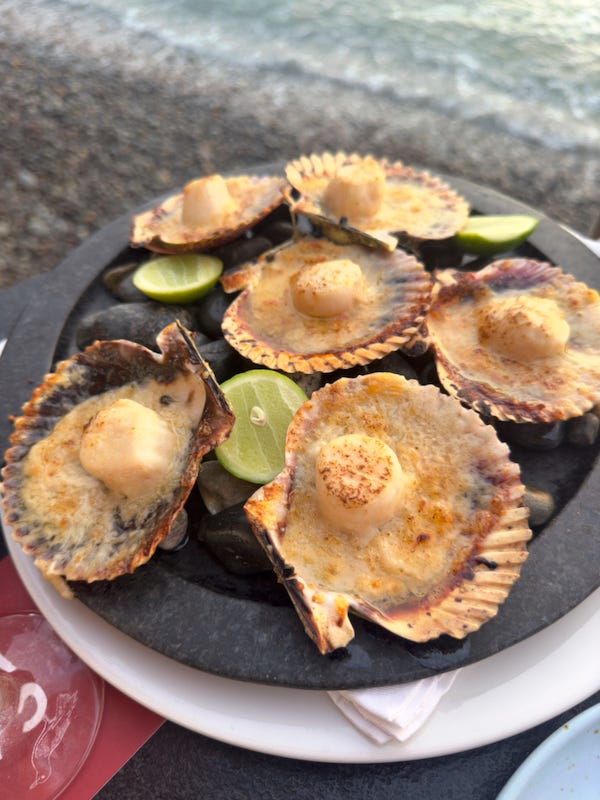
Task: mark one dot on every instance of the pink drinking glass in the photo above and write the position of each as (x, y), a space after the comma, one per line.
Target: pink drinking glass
(50, 709)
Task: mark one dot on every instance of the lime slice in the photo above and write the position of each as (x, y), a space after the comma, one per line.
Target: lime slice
(264, 403)
(178, 279)
(487, 235)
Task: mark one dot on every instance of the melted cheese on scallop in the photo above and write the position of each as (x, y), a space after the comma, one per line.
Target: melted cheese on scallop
(374, 197)
(393, 521)
(523, 328)
(518, 339)
(317, 306)
(58, 488)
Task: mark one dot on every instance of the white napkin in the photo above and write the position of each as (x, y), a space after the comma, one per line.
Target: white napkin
(393, 712)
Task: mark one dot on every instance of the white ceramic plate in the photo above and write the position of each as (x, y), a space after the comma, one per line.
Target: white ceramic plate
(566, 764)
(498, 697)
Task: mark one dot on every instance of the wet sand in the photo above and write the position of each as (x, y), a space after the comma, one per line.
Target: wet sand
(98, 121)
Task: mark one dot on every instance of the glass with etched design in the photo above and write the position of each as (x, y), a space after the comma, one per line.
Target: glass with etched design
(50, 709)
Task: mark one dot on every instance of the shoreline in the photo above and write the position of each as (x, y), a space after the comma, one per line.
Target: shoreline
(97, 126)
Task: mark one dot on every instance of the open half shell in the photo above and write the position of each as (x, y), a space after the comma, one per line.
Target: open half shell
(78, 526)
(164, 229)
(436, 556)
(386, 313)
(411, 205)
(518, 340)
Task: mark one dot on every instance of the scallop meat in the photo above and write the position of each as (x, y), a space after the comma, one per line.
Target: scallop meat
(105, 453)
(518, 340)
(317, 306)
(210, 211)
(353, 198)
(395, 503)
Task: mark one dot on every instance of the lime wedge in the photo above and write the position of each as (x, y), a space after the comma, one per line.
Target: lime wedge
(487, 235)
(178, 279)
(264, 403)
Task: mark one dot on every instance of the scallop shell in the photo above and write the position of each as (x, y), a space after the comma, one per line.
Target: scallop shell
(416, 206)
(264, 326)
(453, 548)
(160, 229)
(83, 531)
(540, 390)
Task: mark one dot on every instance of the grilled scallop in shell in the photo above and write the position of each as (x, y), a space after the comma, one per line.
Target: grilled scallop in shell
(209, 212)
(316, 306)
(396, 503)
(354, 198)
(518, 340)
(105, 453)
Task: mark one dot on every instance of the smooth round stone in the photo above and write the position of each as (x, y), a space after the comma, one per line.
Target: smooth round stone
(583, 431)
(429, 374)
(243, 249)
(393, 362)
(220, 489)
(208, 311)
(434, 254)
(417, 349)
(178, 535)
(222, 358)
(541, 506)
(229, 538)
(119, 282)
(136, 322)
(200, 339)
(308, 382)
(396, 363)
(534, 436)
(278, 231)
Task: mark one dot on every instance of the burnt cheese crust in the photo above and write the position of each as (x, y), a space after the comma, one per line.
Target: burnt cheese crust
(263, 324)
(415, 205)
(516, 386)
(453, 548)
(74, 526)
(162, 230)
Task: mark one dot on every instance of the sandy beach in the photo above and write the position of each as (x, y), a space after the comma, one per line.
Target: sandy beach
(95, 125)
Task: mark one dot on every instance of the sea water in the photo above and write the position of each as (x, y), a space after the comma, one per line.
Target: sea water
(531, 68)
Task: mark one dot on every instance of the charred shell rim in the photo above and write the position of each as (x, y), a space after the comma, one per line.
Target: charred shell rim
(281, 338)
(248, 273)
(160, 229)
(342, 232)
(103, 366)
(470, 598)
(324, 615)
(542, 391)
(310, 175)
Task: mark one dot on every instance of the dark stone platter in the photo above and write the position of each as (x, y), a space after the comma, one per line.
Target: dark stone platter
(185, 605)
